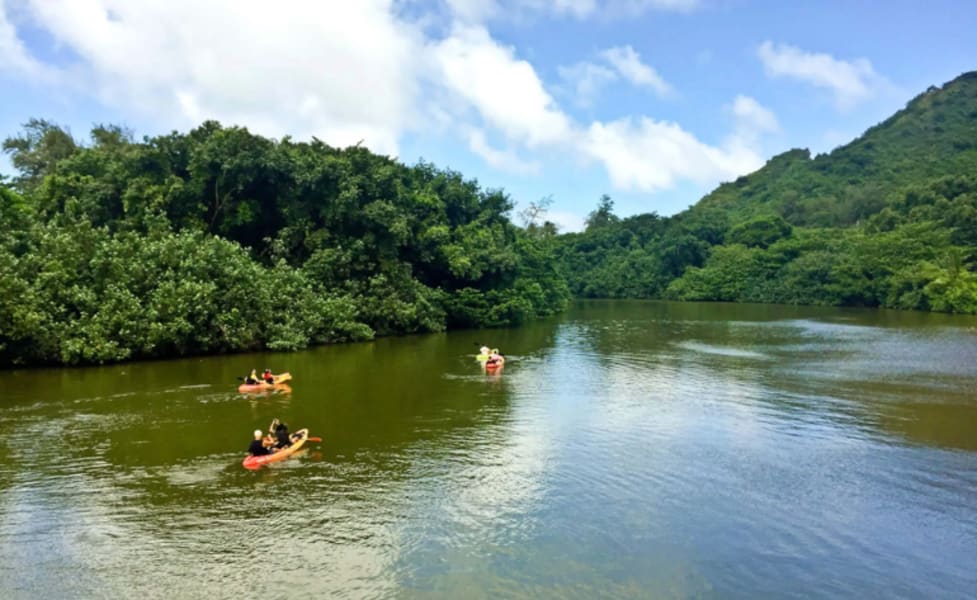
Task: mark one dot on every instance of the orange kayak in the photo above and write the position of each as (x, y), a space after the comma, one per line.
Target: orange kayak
(298, 440)
(263, 386)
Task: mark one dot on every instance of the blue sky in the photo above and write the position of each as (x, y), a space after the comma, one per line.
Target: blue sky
(653, 102)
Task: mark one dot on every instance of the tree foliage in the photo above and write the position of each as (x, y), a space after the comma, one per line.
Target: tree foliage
(220, 240)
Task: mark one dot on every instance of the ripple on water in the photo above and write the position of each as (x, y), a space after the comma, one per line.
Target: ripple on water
(720, 350)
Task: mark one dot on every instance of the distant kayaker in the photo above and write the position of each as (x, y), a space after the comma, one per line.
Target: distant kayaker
(268, 377)
(495, 358)
(258, 447)
(252, 378)
(484, 351)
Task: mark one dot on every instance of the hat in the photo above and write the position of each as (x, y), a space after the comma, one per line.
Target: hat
(257, 433)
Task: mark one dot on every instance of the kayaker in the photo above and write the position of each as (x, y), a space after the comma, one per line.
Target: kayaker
(257, 447)
(252, 378)
(268, 377)
(495, 358)
(282, 439)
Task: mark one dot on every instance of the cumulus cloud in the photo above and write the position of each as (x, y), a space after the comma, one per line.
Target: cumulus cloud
(850, 82)
(638, 154)
(351, 71)
(628, 63)
(505, 90)
(648, 155)
(304, 71)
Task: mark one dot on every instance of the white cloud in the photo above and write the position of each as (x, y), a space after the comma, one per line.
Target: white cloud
(850, 82)
(499, 159)
(638, 154)
(648, 155)
(751, 120)
(628, 63)
(303, 71)
(622, 62)
(307, 70)
(504, 90)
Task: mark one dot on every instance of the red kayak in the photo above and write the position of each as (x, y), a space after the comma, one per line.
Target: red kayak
(298, 440)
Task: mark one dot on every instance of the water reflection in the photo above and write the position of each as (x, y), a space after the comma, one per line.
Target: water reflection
(628, 449)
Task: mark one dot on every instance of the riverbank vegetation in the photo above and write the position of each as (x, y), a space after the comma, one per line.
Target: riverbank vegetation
(219, 240)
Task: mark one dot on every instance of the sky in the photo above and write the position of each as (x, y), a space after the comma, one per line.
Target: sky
(653, 102)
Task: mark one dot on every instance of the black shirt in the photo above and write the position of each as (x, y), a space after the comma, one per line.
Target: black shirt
(258, 449)
(281, 434)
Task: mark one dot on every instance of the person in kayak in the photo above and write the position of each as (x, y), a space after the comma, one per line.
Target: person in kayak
(268, 377)
(495, 359)
(282, 439)
(252, 378)
(258, 447)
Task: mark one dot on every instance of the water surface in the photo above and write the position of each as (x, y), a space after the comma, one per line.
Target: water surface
(627, 449)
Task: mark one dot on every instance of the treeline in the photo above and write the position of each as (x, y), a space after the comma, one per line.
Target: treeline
(917, 253)
(220, 240)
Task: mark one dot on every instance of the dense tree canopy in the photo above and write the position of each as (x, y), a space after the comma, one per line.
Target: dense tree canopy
(220, 240)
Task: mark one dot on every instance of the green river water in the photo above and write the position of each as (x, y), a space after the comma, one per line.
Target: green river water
(627, 450)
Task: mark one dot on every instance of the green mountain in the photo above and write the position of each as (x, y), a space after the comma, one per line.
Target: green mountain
(934, 136)
(887, 220)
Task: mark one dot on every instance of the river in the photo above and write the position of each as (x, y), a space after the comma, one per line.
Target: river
(627, 449)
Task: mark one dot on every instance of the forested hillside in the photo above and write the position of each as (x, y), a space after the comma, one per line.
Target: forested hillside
(887, 220)
(220, 240)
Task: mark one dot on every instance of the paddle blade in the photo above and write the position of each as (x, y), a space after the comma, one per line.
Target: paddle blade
(315, 439)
